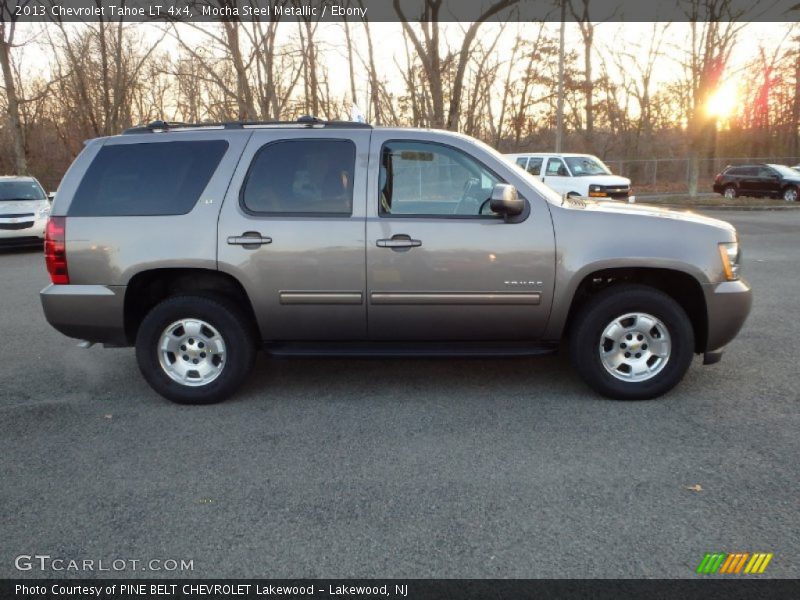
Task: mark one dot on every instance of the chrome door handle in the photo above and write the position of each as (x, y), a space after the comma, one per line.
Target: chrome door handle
(399, 242)
(249, 238)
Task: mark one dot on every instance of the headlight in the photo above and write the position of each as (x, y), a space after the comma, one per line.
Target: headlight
(43, 212)
(596, 191)
(729, 251)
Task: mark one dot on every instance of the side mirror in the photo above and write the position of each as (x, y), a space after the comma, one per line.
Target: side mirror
(506, 201)
(51, 195)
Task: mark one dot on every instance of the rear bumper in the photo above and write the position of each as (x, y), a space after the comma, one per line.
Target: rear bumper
(728, 304)
(88, 312)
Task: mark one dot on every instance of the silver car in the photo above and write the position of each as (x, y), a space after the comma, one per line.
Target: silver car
(201, 244)
(24, 209)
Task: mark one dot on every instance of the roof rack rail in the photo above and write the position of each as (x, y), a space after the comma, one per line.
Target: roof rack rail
(304, 121)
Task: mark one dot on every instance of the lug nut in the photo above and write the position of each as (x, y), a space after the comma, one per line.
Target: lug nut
(185, 357)
(629, 336)
(202, 355)
(627, 355)
(644, 346)
(638, 355)
(191, 341)
(194, 361)
(183, 347)
(623, 345)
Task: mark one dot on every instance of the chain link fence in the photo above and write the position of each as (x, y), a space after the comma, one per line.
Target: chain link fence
(666, 176)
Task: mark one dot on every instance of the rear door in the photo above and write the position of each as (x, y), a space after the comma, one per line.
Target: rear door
(438, 267)
(292, 231)
(535, 165)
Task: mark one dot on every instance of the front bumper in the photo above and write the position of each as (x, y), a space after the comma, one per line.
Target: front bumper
(89, 312)
(21, 232)
(727, 304)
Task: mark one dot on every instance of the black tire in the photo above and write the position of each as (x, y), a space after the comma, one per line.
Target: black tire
(614, 302)
(229, 322)
(730, 188)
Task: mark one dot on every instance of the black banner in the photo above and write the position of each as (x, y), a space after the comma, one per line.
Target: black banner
(411, 589)
(392, 11)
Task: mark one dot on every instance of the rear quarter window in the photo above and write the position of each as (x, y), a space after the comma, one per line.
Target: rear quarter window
(152, 178)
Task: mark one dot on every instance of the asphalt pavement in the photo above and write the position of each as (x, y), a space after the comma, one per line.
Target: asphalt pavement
(404, 468)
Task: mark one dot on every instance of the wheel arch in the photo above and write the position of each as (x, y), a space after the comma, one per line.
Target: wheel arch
(147, 288)
(679, 285)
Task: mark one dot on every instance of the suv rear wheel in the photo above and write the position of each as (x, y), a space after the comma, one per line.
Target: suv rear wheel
(632, 342)
(194, 349)
(730, 192)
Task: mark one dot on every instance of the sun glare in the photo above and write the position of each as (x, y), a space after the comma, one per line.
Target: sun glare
(723, 101)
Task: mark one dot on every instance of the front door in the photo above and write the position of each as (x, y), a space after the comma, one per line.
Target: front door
(556, 176)
(440, 265)
(291, 231)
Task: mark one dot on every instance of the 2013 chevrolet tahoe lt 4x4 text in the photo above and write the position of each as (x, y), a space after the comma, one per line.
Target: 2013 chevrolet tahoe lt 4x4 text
(200, 244)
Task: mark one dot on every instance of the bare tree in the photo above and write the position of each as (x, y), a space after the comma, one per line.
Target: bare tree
(429, 51)
(7, 30)
(713, 33)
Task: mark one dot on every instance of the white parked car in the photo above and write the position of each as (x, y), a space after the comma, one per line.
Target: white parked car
(24, 209)
(575, 174)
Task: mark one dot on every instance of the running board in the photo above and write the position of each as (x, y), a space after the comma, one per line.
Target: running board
(408, 349)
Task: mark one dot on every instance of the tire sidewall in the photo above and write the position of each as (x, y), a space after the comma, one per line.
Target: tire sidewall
(607, 306)
(239, 350)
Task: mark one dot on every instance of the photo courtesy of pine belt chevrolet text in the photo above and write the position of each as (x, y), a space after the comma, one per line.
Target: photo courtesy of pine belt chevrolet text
(201, 244)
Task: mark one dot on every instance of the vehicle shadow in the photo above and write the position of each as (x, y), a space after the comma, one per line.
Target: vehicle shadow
(409, 380)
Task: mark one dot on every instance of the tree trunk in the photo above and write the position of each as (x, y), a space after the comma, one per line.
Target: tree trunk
(14, 122)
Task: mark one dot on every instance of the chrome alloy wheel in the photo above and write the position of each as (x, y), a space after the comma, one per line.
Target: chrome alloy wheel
(790, 194)
(730, 192)
(635, 347)
(191, 352)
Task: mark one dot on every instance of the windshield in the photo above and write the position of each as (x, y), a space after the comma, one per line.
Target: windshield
(26, 189)
(586, 165)
(783, 170)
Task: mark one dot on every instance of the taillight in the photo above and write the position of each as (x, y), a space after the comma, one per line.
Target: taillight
(55, 250)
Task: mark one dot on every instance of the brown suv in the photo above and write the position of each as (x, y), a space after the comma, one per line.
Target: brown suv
(200, 244)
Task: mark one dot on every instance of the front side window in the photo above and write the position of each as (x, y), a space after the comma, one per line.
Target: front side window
(521, 162)
(158, 178)
(301, 177)
(555, 167)
(426, 179)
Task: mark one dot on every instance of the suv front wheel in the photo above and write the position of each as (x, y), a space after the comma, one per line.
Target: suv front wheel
(632, 342)
(790, 194)
(195, 349)
(730, 192)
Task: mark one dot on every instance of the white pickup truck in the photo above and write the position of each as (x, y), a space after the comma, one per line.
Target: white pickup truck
(575, 174)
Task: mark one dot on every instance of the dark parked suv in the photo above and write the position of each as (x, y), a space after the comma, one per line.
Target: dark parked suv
(759, 181)
(200, 244)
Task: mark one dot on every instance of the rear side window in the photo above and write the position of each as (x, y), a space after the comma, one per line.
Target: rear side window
(159, 178)
(311, 177)
(535, 166)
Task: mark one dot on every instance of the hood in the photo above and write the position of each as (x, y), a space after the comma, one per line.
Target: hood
(12, 207)
(607, 179)
(646, 211)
